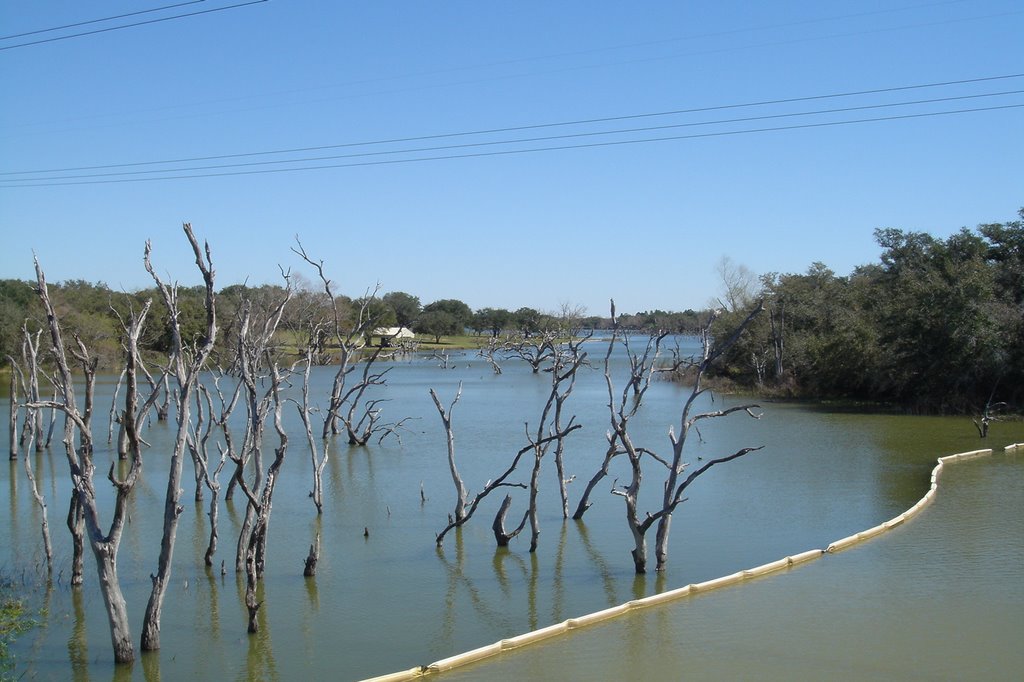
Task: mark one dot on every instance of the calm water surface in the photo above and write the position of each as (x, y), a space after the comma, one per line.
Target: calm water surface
(391, 600)
(939, 598)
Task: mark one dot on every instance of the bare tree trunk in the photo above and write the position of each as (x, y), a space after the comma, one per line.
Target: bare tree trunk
(113, 599)
(76, 524)
(344, 403)
(585, 503)
(53, 423)
(532, 508)
(211, 546)
(778, 327)
(461, 494)
(621, 410)
(562, 480)
(162, 409)
(30, 475)
(317, 461)
(41, 502)
(637, 528)
(502, 536)
(33, 431)
(255, 351)
(577, 358)
(261, 505)
(81, 468)
(252, 605)
(187, 374)
(673, 490)
(213, 481)
(122, 441)
(563, 377)
(112, 417)
(312, 558)
(13, 409)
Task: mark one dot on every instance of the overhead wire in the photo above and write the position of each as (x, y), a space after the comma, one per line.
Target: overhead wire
(521, 128)
(548, 138)
(99, 21)
(132, 25)
(506, 152)
(598, 50)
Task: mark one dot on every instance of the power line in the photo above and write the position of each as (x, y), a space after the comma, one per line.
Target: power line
(137, 23)
(538, 126)
(508, 152)
(689, 37)
(548, 138)
(97, 21)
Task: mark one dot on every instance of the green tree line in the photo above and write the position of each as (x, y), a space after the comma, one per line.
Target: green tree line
(937, 325)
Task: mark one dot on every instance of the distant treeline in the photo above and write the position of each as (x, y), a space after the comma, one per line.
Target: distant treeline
(92, 311)
(935, 326)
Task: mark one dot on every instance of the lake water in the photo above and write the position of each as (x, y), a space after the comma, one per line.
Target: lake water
(391, 600)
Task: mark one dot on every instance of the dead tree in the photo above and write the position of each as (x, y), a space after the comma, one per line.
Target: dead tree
(318, 459)
(75, 520)
(45, 524)
(309, 569)
(563, 378)
(80, 462)
(461, 494)
(345, 406)
(777, 322)
(260, 502)
(673, 489)
(197, 440)
(362, 418)
(642, 367)
(989, 414)
(538, 445)
(33, 432)
(493, 347)
(212, 480)
(16, 373)
(12, 406)
(114, 417)
(186, 364)
(535, 352)
(254, 354)
(575, 358)
(444, 359)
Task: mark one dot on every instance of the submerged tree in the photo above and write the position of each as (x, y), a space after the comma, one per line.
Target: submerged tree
(642, 369)
(80, 462)
(688, 421)
(199, 446)
(16, 373)
(185, 363)
(347, 406)
(550, 430)
(318, 455)
(255, 363)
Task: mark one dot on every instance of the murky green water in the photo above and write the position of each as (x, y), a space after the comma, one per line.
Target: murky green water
(938, 598)
(390, 601)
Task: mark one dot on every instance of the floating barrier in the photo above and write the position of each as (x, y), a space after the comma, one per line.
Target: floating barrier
(679, 593)
(533, 636)
(596, 617)
(662, 597)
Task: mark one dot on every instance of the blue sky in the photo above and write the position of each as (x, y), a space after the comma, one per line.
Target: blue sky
(644, 222)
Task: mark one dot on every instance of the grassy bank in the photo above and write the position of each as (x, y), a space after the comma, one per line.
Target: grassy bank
(15, 619)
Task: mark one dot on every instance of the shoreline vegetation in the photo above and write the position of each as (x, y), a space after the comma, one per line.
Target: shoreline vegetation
(15, 619)
(936, 326)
